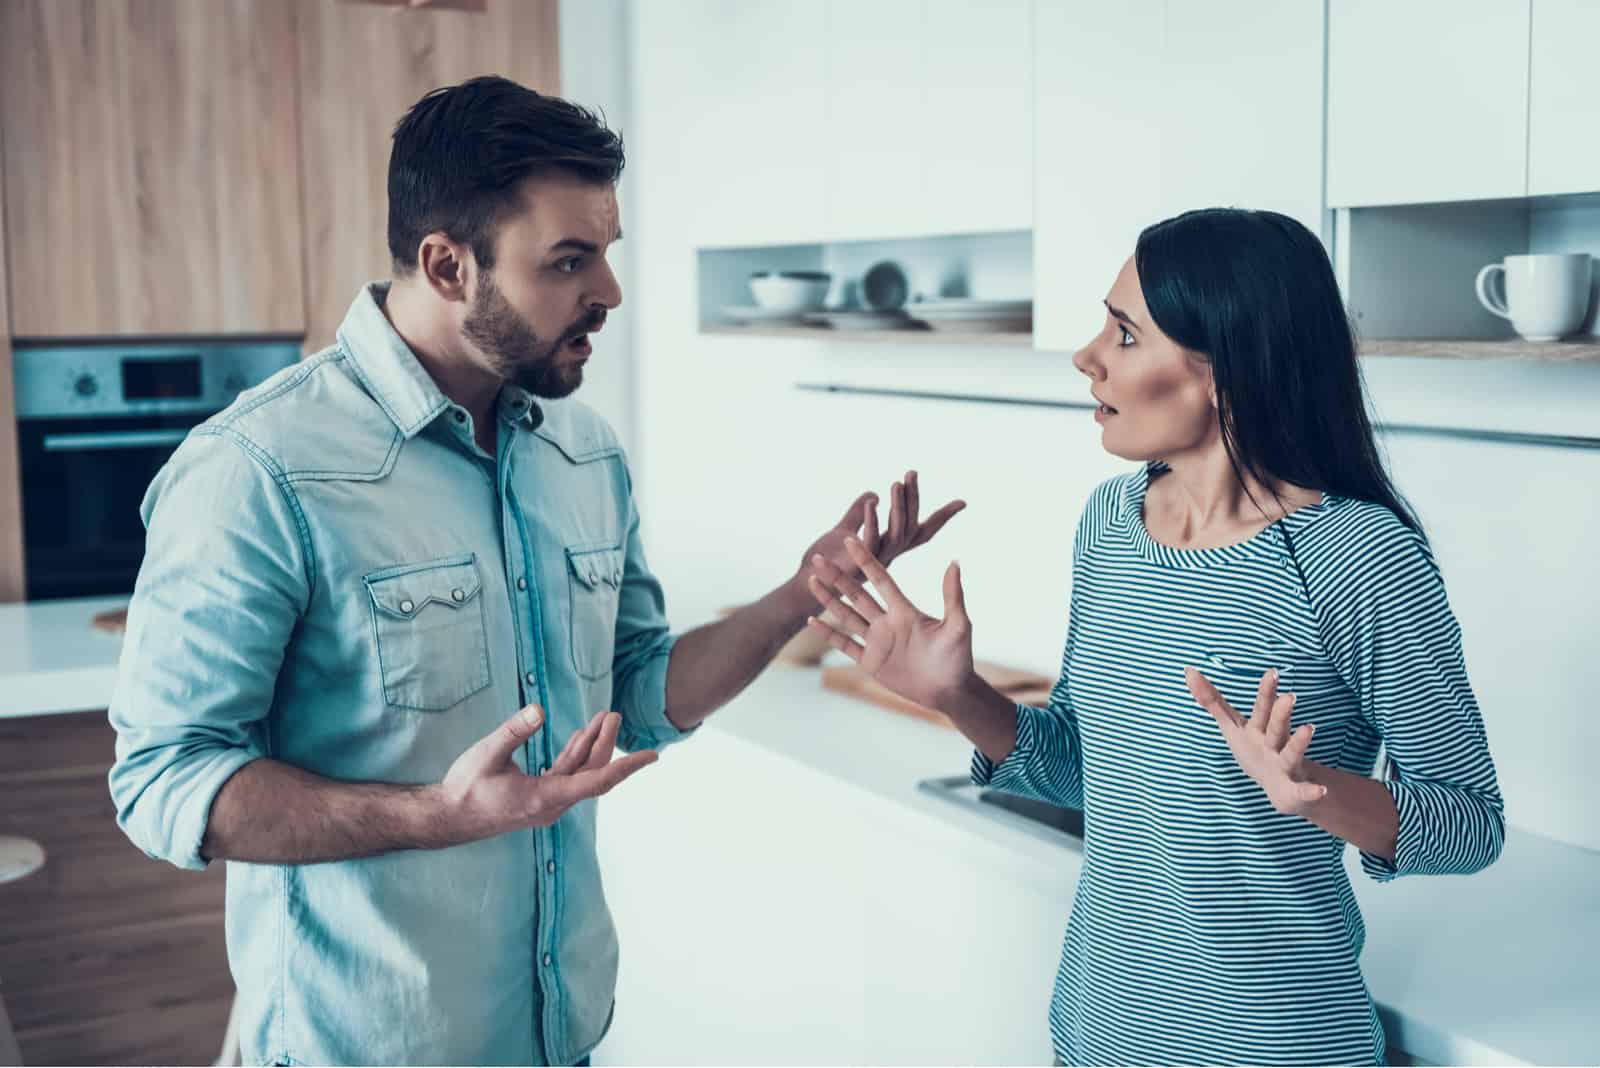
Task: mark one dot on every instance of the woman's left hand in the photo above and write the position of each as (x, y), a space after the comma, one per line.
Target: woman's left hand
(1264, 746)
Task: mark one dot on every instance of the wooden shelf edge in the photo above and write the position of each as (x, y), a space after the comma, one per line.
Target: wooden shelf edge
(1584, 350)
(898, 337)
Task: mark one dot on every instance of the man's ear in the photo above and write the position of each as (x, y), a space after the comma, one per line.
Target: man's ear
(446, 266)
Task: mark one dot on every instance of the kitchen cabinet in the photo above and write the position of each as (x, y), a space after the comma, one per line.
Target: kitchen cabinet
(151, 167)
(1243, 108)
(107, 956)
(1563, 154)
(742, 84)
(12, 585)
(735, 878)
(1428, 100)
(349, 110)
(1153, 107)
(756, 895)
(929, 118)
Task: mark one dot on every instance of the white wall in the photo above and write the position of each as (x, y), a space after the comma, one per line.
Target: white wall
(595, 73)
(742, 471)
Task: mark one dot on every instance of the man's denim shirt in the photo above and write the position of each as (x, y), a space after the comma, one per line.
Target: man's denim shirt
(338, 578)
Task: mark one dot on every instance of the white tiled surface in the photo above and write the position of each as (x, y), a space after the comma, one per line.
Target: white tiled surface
(52, 659)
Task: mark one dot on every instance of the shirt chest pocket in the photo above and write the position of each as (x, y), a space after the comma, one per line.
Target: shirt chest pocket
(1235, 669)
(433, 648)
(594, 583)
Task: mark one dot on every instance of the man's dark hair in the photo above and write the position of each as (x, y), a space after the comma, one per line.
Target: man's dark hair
(462, 151)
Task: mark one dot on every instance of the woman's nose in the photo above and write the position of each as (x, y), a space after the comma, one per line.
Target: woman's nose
(1086, 361)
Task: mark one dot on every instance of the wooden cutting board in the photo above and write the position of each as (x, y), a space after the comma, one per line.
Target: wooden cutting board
(115, 621)
(1024, 687)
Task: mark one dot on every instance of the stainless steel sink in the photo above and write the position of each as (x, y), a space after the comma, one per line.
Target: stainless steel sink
(1039, 818)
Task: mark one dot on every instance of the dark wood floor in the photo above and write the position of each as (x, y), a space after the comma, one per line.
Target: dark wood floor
(106, 956)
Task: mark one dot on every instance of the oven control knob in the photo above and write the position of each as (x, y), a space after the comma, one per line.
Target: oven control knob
(86, 385)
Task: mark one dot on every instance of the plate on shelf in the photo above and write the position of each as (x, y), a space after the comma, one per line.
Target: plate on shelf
(862, 320)
(753, 313)
(975, 316)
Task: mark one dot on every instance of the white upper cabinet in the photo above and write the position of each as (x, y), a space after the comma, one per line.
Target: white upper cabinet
(1564, 105)
(929, 117)
(1428, 100)
(977, 120)
(747, 81)
(1152, 107)
(1098, 155)
(875, 96)
(1243, 107)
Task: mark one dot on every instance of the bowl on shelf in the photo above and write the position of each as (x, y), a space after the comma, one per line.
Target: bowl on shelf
(794, 291)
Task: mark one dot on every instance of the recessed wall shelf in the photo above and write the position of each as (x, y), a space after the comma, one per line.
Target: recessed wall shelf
(1584, 350)
(908, 336)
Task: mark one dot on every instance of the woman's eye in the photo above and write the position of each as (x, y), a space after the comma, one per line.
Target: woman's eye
(1124, 339)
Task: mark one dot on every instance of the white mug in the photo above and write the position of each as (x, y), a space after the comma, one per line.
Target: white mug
(1546, 297)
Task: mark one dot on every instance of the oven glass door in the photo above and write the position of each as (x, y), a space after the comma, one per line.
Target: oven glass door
(82, 483)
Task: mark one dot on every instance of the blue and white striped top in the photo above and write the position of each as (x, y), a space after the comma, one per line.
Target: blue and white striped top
(1209, 928)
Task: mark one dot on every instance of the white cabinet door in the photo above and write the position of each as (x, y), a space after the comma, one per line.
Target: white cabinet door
(1243, 108)
(961, 953)
(1564, 105)
(1427, 100)
(875, 95)
(735, 877)
(747, 92)
(977, 128)
(1098, 120)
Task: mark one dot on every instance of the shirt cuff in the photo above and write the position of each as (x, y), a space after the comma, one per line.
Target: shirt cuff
(644, 706)
(986, 772)
(205, 780)
(1406, 841)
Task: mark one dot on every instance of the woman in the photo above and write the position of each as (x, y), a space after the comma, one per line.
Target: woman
(1258, 563)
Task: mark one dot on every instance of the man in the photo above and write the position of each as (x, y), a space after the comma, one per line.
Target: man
(359, 569)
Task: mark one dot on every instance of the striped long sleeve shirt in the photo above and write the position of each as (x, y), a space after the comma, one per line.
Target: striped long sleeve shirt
(1208, 928)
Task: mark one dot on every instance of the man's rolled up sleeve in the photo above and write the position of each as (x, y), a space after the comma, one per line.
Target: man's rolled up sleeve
(225, 579)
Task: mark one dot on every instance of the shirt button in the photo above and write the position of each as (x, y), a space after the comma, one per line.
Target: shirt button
(457, 595)
(548, 960)
(406, 606)
(522, 583)
(461, 417)
(533, 680)
(550, 866)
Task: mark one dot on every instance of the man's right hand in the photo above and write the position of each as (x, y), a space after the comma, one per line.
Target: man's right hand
(485, 794)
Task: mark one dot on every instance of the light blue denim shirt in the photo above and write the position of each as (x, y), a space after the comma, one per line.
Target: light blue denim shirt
(338, 578)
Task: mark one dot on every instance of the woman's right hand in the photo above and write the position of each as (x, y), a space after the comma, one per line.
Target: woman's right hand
(919, 657)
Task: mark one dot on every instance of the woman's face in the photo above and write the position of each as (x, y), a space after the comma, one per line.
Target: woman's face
(1156, 397)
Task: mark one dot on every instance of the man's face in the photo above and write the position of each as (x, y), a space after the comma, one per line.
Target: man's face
(550, 287)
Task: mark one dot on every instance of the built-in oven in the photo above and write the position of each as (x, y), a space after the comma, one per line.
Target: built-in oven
(94, 425)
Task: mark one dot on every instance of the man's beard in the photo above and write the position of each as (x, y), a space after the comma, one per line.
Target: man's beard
(516, 352)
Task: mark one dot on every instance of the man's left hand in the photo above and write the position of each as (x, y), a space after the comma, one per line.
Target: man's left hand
(904, 532)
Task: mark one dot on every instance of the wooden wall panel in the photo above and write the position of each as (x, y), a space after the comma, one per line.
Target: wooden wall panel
(151, 163)
(361, 67)
(107, 956)
(12, 584)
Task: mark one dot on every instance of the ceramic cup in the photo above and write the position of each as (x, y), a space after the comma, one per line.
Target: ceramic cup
(1545, 297)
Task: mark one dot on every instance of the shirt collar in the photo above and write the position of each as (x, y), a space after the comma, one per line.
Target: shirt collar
(397, 380)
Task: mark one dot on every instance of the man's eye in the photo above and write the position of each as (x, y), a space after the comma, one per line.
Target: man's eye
(569, 265)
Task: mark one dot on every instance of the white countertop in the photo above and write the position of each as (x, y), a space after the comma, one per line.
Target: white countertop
(1500, 967)
(1495, 968)
(53, 659)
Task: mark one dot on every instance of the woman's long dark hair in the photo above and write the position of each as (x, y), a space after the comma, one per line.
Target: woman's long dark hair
(1253, 292)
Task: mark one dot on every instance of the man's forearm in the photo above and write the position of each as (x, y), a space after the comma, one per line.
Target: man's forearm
(269, 812)
(710, 665)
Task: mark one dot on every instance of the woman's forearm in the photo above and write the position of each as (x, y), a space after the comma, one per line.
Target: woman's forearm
(985, 715)
(1358, 809)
